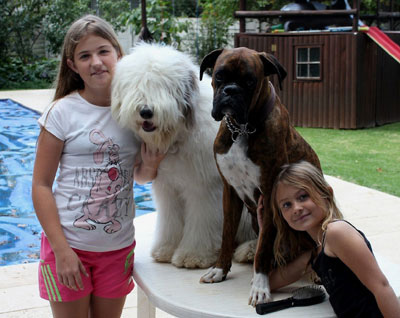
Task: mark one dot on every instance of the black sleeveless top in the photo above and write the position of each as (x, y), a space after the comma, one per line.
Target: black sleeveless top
(347, 295)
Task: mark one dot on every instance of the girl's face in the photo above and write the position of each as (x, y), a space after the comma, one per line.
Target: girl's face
(94, 60)
(297, 208)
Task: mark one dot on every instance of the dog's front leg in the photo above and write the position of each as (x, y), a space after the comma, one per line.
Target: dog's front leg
(202, 233)
(233, 207)
(169, 226)
(260, 290)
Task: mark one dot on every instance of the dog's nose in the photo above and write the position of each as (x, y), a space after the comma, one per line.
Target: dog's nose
(146, 113)
(231, 89)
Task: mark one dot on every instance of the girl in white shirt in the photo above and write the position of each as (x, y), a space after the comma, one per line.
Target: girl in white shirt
(87, 247)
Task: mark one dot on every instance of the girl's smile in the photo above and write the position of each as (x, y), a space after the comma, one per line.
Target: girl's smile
(99, 72)
(301, 217)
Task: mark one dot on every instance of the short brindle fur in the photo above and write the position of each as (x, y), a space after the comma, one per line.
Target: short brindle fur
(249, 163)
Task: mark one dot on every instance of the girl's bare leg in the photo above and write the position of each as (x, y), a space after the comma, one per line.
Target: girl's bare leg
(77, 309)
(106, 307)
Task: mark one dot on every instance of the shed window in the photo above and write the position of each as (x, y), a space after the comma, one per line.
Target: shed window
(308, 63)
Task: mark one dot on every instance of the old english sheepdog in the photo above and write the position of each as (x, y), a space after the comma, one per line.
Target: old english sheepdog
(157, 94)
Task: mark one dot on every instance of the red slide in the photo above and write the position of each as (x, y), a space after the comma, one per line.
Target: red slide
(384, 42)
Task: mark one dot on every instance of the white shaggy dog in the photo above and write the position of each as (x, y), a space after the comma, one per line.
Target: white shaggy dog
(157, 94)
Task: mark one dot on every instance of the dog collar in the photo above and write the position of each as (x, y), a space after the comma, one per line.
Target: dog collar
(236, 129)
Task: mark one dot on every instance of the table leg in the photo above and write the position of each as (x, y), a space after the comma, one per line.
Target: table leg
(144, 308)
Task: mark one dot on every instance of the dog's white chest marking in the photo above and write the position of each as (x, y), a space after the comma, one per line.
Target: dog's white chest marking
(239, 170)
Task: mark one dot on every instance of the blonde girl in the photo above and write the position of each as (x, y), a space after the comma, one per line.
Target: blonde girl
(87, 246)
(343, 259)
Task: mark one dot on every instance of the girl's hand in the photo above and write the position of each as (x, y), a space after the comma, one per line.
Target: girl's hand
(260, 209)
(147, 166)
(151, 158)
(69, 268)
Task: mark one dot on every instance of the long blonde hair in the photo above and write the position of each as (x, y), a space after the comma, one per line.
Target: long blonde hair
(307, 177)
(67, 80)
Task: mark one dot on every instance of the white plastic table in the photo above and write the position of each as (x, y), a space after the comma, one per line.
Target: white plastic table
(178, 292)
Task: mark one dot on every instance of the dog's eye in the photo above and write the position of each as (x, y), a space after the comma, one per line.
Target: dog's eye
(218, 77)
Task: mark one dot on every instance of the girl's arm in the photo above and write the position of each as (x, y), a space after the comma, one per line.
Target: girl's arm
(146, 165)
(49, 150)
(344, 242)
(290, 273)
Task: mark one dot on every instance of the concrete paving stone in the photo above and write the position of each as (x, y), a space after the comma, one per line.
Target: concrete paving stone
(36, 99)
(388, 245)
(21, 297)
(18, 275)
(29, 313)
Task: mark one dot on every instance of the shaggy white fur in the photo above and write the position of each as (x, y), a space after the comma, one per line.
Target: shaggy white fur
(157, 94)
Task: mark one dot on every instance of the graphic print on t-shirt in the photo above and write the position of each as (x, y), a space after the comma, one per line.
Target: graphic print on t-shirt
(101, 204)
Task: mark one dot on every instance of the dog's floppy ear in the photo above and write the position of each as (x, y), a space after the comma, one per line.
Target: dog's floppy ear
(209, 61)
(272, 66)
(191, 85)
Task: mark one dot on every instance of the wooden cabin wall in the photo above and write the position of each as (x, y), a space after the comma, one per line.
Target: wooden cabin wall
(388, 85)
(367, 81)
(359, 85)
(378, 89)
(327, 103)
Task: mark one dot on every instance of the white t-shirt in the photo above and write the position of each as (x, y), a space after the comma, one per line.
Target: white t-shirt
(94, 186)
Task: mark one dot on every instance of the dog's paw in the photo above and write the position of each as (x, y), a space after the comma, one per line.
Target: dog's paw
(213, 275)
(193, 260)
(163, 254)
(245, 252)
(260, 291)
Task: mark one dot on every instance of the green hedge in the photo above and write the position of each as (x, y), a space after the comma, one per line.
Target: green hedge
(15, 74)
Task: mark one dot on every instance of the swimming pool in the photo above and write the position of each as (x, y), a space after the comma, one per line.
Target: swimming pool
(19, 228)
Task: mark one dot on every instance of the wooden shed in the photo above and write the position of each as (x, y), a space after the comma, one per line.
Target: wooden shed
(335, 79)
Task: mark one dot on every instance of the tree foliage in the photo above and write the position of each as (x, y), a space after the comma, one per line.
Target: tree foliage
(60, 14)
(216, 18)
(162, 24)
(21, 22)
(111, 11)
(24, 21)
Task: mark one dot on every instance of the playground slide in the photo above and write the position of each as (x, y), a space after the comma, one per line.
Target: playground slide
(384, 42)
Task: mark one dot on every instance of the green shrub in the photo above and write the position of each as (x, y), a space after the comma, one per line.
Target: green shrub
(15, 74)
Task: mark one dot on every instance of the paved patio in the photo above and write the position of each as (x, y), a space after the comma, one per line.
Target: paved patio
(377, 214)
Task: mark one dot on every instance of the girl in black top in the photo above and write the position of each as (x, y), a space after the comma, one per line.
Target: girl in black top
(304, 201)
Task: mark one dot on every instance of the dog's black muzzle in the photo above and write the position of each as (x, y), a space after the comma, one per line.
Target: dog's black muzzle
(230, 101)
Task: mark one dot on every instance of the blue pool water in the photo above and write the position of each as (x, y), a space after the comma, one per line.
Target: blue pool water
(19, 228)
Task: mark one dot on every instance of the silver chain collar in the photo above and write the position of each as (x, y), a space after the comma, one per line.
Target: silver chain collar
(240, 130)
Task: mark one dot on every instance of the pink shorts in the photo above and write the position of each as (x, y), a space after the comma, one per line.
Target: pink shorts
(110, 274)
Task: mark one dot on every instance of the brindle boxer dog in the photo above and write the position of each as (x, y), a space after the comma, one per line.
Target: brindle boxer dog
(254, 140)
